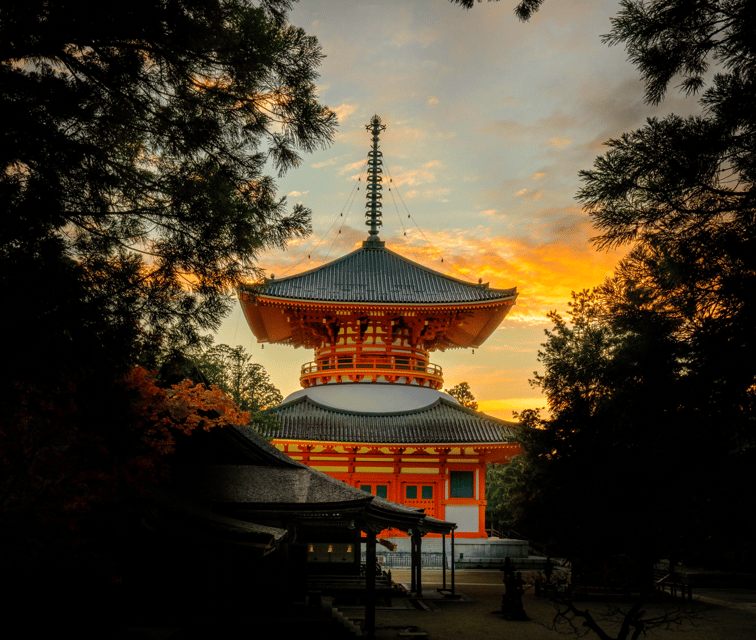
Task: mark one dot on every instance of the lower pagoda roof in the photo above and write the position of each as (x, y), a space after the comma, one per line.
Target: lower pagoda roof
(442, 422)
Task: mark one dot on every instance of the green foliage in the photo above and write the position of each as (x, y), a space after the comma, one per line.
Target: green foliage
(573, 356)
(135, 193)
(462, 394)
(680, 192)
(641, 453)
(598, 474)
(523, 10)
(650, 380)
(501, 479)
(247, 383)
(138, 134)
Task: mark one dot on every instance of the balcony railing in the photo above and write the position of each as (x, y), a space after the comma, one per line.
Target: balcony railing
(363, 365)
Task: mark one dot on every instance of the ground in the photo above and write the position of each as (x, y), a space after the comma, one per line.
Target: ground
(725, 614)
(728, 613)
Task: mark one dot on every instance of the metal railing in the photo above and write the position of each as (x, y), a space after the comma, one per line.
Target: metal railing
(404, 559)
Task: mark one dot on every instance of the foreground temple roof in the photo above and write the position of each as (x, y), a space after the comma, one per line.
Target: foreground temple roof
(378, 275)
(235, 486)
(442, 422)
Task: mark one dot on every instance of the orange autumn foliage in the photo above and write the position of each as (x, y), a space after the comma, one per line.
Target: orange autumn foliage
(184, 408)
(60, 461)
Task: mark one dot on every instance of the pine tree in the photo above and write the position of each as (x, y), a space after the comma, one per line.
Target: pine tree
(139, 135)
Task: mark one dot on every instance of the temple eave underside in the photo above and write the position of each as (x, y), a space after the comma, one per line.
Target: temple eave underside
(431, 328)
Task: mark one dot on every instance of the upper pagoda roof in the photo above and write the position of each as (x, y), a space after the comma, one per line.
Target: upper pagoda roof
(442, 422)
(374, 274)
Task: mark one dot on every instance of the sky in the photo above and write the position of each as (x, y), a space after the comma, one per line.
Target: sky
(488, 123)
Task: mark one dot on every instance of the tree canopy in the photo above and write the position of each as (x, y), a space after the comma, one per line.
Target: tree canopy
(138, 158)
(461, 393)
(247, 383)
(680, 192)
(599, 473)
(650, 381)
(139, 137)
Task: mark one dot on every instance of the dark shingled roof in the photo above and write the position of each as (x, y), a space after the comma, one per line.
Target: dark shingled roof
(232, 500)
(442, 422)
(380, 275)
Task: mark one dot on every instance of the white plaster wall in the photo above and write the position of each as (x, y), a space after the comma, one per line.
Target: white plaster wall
(466, 517)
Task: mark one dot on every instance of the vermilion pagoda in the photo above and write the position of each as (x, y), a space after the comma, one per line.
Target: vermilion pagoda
(371, 411)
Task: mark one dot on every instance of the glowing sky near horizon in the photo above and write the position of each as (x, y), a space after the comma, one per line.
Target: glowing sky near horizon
(489, 121)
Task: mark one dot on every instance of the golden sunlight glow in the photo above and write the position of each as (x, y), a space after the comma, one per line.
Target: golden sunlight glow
(545, 273)
(503, 408)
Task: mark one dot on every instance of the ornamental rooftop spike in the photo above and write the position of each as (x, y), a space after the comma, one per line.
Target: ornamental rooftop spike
(374, 186)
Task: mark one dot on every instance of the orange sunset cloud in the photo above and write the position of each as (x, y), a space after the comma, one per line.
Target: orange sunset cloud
(545, 273)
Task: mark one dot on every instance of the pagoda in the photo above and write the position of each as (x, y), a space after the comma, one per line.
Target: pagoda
(372, 412)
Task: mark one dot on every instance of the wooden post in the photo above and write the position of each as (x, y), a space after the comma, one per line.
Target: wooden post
(413, 562)
(417, 561)
(370, 584)
(452, 561)
(419, 564)
(443, 558)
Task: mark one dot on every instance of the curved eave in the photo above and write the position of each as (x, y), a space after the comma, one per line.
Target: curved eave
(446, 445)
(455, 406)
(262, 298)
(440, 424)
(258, 292)
(266, 315)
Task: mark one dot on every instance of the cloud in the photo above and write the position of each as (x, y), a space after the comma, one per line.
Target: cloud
(407, 35)
(295, 194)
(537, 176)
(506, 128)
(432, 163)
(413, 177)
(428, 193)
(351, 166)
(343, 111)
(488, 212)
(303, 254)
(505, 409)
(432, 100)
(446, 134)
(560, 142)
(325, 163)
(529, 193)
(508, 348)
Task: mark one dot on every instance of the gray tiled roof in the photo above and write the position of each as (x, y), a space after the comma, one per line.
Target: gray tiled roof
(255, 502)
(249, 484)
(442, 422)
(380, 275)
